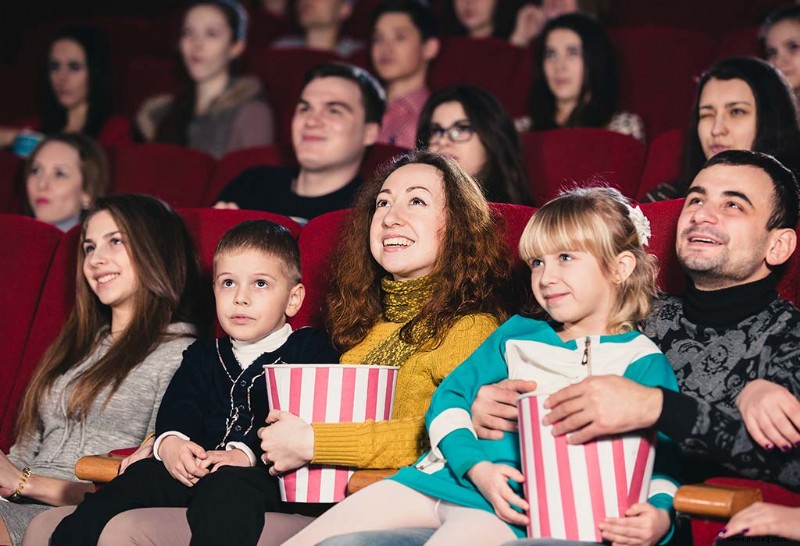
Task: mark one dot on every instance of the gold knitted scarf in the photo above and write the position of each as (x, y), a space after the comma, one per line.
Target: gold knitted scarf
(402, 301)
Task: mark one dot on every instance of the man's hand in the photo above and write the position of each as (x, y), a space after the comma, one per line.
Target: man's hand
(495, 408)
(771, 414)
(492, 481)
(643, 525)
(182, 459)
(601, 405)
(219, 458)
(287, 442)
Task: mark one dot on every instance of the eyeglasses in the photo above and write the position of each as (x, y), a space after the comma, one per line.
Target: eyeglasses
(460, 131)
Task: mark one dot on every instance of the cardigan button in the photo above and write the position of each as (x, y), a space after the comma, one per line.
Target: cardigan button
(241, 407)
(242, 383)
(238, 428)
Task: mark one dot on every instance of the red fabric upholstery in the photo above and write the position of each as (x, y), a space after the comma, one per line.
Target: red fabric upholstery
(145, 77)
(663, 217)
(19, 94)
(663, 163)
(207, 226)
(738, 42)
(27, 247)
(234, 163)
(176, 174)
(503, 70)
(789, 285)
(377, 157)
(564, 157)
(12, 192)
(318, 240)
(658, 67)
(282, 72)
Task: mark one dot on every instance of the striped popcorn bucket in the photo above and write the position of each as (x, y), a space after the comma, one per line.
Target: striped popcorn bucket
(572, 488)
(328, 393)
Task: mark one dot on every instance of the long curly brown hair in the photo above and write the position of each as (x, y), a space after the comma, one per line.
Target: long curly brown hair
(472, 273)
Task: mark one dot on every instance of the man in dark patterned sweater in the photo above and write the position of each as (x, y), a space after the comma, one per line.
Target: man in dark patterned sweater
(733, 342)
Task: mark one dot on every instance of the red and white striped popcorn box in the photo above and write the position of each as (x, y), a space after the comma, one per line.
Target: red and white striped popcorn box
(328, 393)
(572, 488)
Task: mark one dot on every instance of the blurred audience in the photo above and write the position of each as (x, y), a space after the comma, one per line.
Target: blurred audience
(218, 112)
(338, 116)
(742, 103)
(531, 17)
(77, 94)
(322, 22)
(576, 83)
(64, 176)
(404, 41)
(779, 39)
(480, 18)
(469, 125)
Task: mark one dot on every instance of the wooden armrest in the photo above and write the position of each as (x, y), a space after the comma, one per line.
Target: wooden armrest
(362, 478)
(97, 468)
(715, 501)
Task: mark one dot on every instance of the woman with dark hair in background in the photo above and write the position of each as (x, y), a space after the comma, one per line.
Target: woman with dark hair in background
(77, 95)
(742, 103)
(480, 18)
(217, 113)
(101, 381)
(471, 126)
(779, 40)
(577, 80)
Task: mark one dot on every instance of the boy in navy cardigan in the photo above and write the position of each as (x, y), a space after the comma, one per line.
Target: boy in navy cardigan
(206, 450)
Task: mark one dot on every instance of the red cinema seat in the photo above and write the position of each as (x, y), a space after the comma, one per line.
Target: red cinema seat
(663, 163)
(207, 226)
(565, 157)
(739, 42)
(377, 157)
(658, 71)
(19, 95)
(27, 249)
(146, 77)
(663, 216)
(496, 66)
(178, 175)
(282, 72)
(12, 192)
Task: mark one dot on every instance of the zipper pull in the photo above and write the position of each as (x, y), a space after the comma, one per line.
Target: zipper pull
(587, 354)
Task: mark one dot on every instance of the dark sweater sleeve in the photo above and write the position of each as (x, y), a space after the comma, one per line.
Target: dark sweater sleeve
(183, 407)
(243, 187)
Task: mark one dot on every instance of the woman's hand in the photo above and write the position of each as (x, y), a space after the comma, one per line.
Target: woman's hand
(10, 476)
(287, 442)
(492, 481)
(643, 525)
(182, 459)
(530, 21)
(771, 414)
(143, 452)
(219, 458)
(762, 519)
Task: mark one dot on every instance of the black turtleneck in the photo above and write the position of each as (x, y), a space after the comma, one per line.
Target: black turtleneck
(729, 306)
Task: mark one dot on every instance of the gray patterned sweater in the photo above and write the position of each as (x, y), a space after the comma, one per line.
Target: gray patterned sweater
(716, 343)
(121, 421)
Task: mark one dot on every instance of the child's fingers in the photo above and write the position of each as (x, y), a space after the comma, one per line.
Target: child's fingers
(196, 450)
(508, 514)
(623, 531)
(638, 509)
(510, 497)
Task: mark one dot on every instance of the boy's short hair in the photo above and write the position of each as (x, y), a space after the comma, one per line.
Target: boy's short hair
(373, 97)
(420, 14)
(263, 236)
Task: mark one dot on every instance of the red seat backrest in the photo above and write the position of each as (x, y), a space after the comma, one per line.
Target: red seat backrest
(27, 250)
(739, 42)
(178, 175)
(565, 157)
(663, 216)
(12, 190)
(207, 226)
(658, 71)
(663, 163)
(145, 77)
(498, 67)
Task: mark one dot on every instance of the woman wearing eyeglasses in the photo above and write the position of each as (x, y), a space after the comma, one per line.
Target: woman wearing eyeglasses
(471, 126)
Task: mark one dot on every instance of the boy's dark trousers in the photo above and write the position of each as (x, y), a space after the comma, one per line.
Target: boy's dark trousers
(224, 507)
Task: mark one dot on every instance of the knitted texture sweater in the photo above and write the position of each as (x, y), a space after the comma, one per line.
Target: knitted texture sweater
(399, 441)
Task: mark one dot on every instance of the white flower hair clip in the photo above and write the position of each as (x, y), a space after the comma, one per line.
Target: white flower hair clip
(641, 223)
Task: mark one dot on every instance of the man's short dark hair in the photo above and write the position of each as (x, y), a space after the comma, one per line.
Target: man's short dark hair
(266, 237)
(419, 13)
(373, 97)
(786, 196)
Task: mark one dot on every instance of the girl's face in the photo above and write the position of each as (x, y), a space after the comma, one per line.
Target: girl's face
(574, 290)
(69, 74)
(477, 16)
(563, 64)
(452, 135)
(727, 116)
(409, 221)
(207, 43)
(783, 50)
(55, 184)
(108, 268)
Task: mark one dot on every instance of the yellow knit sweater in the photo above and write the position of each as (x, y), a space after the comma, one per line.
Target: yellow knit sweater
(399, 441)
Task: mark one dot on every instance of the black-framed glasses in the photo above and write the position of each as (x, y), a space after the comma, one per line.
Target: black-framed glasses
(460, 131)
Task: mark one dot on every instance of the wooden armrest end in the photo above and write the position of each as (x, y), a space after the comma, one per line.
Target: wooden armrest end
(363, 478)
(97, 468)
(715, 501)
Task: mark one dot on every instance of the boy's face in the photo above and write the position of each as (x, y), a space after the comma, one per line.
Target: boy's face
(253, 294)
(398, 50)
